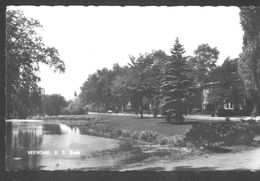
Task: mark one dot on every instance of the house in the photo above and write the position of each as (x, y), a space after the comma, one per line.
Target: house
(200, 100)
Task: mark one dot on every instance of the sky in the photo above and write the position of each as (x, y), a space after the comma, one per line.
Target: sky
(89, 38)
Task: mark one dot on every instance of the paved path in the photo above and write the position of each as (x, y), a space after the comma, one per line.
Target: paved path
(23, 120)
(246, 160)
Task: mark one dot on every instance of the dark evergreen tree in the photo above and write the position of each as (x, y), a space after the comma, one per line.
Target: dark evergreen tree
(174, 85)
(249, 62)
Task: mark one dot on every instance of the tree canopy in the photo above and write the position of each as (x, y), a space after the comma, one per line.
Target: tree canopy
(97, 89)
(230, 85)
(53, 104)
(137, 83)
(175, 85)
(25, 51)
(202, 63)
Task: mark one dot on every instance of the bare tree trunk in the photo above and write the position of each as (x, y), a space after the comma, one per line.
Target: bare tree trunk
(141, 106)
(236, 106)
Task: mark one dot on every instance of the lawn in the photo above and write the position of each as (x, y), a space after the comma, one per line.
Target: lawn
(135, 123)
(131, 123)
(206, 135)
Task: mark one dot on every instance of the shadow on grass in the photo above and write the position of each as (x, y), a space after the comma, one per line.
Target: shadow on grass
(136, 157)
(189, 168)
(178, 123)
(153, 169)
(218, 149)
(147, 118)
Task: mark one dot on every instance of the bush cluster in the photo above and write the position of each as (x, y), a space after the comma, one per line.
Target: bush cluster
(228, 113)
(222, 133)
(147, 135)
(74, 111)
(135, 135)
(176, 140)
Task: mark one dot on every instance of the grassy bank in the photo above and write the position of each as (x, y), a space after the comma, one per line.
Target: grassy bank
(147, 139)
(152, 139)
(150, 130)
(198, 134)
(128, 123)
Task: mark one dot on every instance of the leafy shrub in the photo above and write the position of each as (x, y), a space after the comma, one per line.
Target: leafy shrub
(177, 140)
(210, 107)
(125, 134)
(117, 132)
(65, 111)
(78, 111)
(74, 111)
(228, 113)
(222, 133)
(224, 112)
(148, 135)
(164, 141)
(135, 135)
(195, 111)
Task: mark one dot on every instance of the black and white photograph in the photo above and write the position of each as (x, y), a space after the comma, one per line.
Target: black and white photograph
(131, 88)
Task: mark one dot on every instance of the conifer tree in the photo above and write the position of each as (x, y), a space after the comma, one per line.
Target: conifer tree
(174, 85)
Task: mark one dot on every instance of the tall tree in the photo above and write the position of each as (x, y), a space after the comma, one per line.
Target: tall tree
(249, 62)
(142, 79)
(120, 88)
(140, 82)
(175, 85)
(203, 63)
(25, 50)
(159, 58)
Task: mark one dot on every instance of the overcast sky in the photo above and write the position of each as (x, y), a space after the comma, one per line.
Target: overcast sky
(90, 38)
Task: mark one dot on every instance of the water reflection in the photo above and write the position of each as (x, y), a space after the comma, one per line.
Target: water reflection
(54, 146)
(19, 140)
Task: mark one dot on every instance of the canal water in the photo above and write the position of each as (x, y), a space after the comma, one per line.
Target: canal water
(37, 145)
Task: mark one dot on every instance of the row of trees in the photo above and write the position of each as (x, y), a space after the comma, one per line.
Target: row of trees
(165, 81)
(156, 78)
